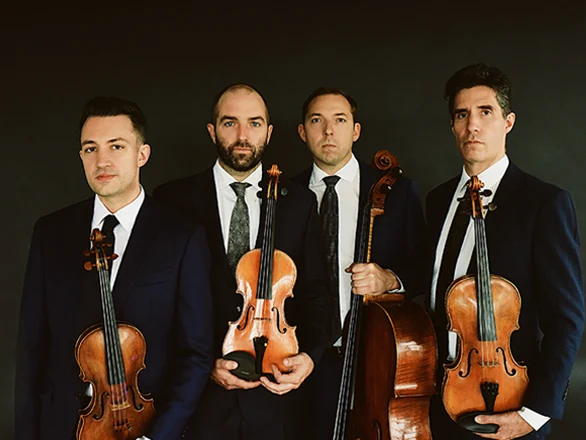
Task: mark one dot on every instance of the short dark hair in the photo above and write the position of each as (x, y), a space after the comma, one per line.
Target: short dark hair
(104, 106)
(480, 75)
(322, 91)
(234, 88)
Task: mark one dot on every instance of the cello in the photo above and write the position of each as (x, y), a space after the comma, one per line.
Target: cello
(390, 355)
(265, 278)
(483, 310)
(110, 356)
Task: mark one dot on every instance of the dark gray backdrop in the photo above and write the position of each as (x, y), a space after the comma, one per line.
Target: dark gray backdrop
(173, 59)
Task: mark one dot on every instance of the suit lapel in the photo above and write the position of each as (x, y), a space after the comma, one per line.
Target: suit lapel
(139, 247)
(206, 205)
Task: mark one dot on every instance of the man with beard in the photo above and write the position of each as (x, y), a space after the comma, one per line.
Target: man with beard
(224, 200)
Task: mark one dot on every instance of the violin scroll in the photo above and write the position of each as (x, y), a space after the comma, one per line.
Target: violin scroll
(98, 252)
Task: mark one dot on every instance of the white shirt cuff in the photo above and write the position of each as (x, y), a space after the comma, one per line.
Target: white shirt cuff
(401, 288)
(144, 437)
(536, 420)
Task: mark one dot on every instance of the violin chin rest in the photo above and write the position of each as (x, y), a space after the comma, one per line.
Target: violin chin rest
(467, 422)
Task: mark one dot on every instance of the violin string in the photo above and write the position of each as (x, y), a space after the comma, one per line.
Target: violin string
(107, 331)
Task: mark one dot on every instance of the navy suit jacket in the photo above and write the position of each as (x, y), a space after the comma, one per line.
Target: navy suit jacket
(398, 235)
(297, 234)
(162, 288)
(533, 241)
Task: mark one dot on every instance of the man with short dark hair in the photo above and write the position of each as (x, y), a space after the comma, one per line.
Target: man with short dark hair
(159, 284)
(532, 240)
(329, 128)
(224, 200)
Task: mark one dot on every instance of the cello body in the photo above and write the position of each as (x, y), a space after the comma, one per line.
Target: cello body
(390, 351)
(396, 372)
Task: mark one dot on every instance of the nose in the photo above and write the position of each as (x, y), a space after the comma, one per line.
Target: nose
(242, 132)
(103, 157)
(472, 124)
(328, 128)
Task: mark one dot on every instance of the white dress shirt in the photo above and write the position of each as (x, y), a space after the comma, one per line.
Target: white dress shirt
(126, 218)
(491, 177)
(227, 199)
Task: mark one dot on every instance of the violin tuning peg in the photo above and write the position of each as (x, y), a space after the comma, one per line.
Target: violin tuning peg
(486, 193)
(492, 206)
(259, 194)
(87, 253)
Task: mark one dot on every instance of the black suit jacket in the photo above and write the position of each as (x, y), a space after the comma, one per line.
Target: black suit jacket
(533, 242)
(398, 235)
(297, 234)
(162, 288)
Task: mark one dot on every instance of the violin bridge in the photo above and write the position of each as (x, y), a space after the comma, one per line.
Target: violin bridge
(120, 406)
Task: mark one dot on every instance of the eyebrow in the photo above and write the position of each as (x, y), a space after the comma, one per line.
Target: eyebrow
(234, 118)
(111, 141)
(482, 107)
(310, 115)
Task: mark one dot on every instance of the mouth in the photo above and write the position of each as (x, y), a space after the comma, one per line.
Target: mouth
(105, 177)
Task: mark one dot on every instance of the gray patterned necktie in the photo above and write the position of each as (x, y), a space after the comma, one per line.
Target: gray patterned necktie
(239, 234)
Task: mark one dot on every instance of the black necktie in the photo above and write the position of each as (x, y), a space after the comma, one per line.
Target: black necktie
(239, 233)
(329, 220)
(452, 249)
(110, 223)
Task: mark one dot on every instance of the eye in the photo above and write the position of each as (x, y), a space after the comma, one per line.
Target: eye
(255, 124)
(486, 112)
(340, 119)
(117, 147)
(460, 115)
(88, 150)
(314, 120)
(229, 124)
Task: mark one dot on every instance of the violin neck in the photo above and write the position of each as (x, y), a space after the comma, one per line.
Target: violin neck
(116, 374)
(486, 320)
(265, 273)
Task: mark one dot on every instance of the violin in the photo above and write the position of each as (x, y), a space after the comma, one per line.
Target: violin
(110, 355)
(265, 278)
(390, 356)
(483, 310)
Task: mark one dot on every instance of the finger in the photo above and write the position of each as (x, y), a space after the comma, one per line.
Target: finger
(349, 268)
(225, 364)
(275, 387)
(358, 268)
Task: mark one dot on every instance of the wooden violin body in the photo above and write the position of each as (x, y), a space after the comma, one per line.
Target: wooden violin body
(395, 376)
(483, 310)
(134, 413)
(264, 318)
(265, 277)
(483, 362)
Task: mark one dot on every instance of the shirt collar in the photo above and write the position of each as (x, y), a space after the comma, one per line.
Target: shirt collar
(348, 172)
(490, 176)
(222, 178)
(126, 216)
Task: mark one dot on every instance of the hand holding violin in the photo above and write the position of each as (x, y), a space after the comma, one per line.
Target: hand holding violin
(301, 366)
(221, 374)
(511, 425)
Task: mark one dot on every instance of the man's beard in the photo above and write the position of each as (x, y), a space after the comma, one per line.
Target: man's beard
(240, 161)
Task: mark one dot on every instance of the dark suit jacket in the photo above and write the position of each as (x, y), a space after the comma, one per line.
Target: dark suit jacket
(398, 234)
(297, 234)
(533, 242)
(162, 288)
